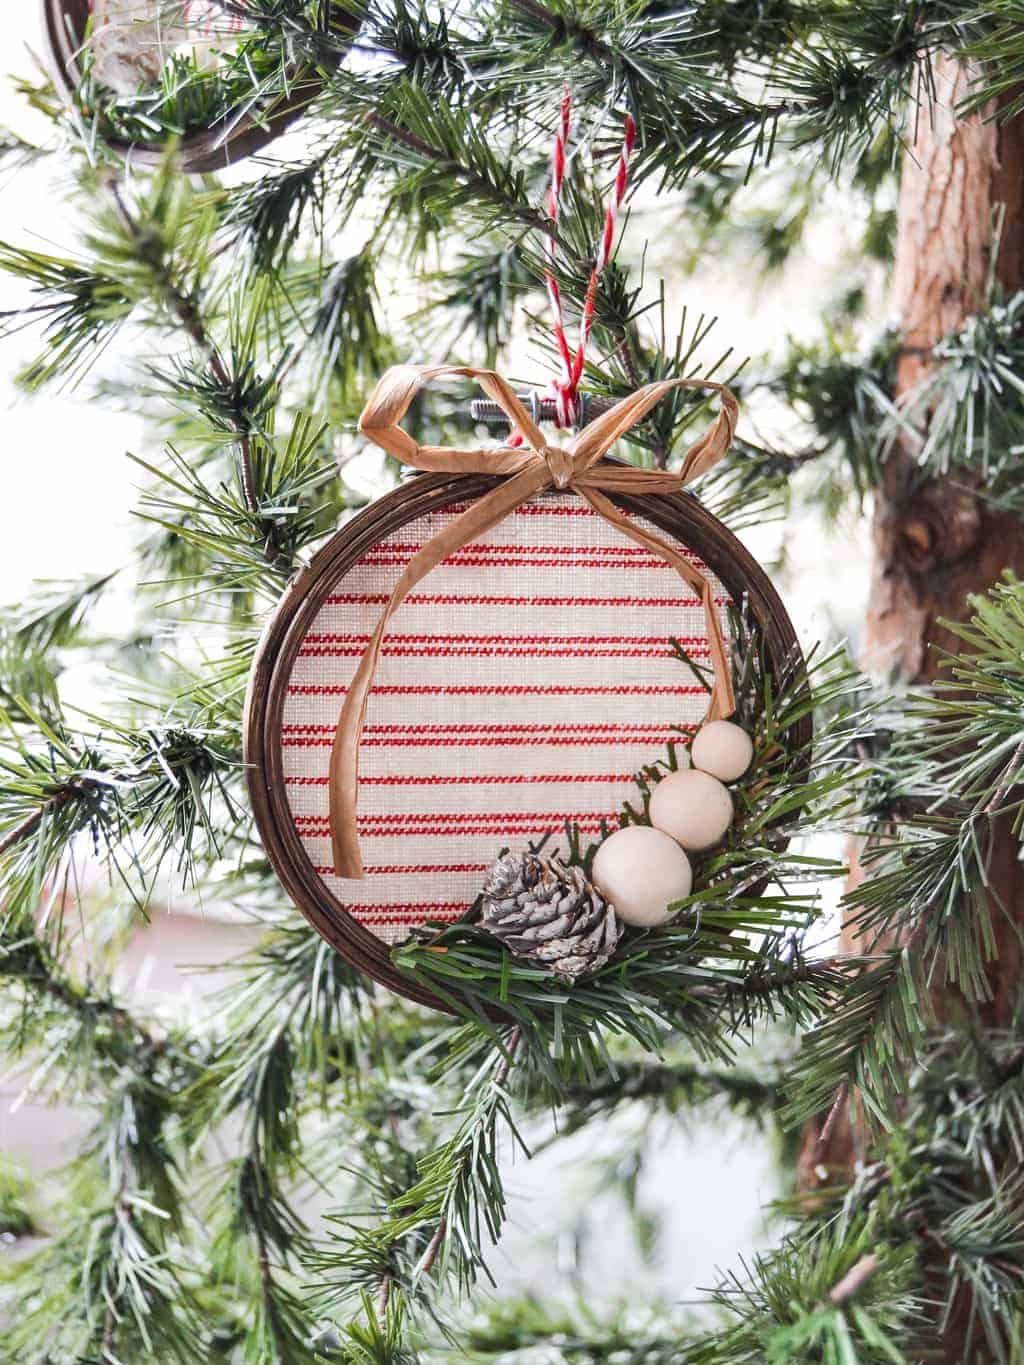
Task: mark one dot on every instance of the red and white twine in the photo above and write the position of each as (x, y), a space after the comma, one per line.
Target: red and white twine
(565, 388)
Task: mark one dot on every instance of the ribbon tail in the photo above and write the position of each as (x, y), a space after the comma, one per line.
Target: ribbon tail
(722, 702)
(486, 512)
(344, 769)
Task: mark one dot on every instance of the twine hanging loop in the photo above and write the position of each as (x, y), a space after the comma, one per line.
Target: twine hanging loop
(564, 388)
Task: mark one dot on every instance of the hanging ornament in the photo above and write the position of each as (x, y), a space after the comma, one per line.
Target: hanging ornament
(480, 657)
(483, 657)
(123, 48)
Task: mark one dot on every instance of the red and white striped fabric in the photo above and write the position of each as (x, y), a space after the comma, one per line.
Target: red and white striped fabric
(520, 685)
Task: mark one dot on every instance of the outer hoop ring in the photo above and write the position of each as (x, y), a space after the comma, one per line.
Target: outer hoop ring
(678, 514)
(64, 24)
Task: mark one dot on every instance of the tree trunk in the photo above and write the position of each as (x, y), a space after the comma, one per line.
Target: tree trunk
(936, 543)
(960, 225)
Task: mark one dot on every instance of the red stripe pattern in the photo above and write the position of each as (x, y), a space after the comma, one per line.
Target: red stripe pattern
(447, 599)
(520, 687)
(480, 555)
(482, 736)
(351, 645)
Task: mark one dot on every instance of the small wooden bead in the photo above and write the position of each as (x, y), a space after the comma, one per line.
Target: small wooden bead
(640, 871)
(693, 807)
(722, 749)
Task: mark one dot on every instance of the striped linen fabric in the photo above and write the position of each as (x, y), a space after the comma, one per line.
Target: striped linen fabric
(521, 685)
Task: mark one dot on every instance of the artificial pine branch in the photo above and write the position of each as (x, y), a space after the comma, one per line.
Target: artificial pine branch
(440, 1220)
(183, 305)
(672, 1087)
(18, 1218)
(929, 887)
(822, 1295)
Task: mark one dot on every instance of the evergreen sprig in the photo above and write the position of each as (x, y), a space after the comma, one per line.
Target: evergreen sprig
(930, 887)
(967, 413)
(443, 1219)
(834, 1299)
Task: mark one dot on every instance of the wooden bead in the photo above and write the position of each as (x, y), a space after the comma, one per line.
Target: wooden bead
(722, 749)
(693, 807)
(640, 871)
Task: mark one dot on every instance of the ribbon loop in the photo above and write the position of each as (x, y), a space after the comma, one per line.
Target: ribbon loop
(528, 470)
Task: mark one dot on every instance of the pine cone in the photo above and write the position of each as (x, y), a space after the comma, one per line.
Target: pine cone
(549, 913)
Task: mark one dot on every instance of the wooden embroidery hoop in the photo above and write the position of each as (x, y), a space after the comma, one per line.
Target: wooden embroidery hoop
(64, 29)
(679, 515)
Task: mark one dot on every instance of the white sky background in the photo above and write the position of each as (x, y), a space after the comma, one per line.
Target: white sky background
(66, 494)
(66, 512)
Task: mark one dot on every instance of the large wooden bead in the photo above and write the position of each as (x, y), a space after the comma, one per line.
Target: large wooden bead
(693, 807)
(722, 749)
(640, 871)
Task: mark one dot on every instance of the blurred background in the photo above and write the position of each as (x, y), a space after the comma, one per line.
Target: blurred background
(67, 512)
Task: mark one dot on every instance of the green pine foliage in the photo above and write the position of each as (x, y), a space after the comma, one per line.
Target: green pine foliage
(307, 1168)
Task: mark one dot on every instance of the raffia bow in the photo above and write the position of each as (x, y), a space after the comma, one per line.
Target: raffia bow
(528, 470)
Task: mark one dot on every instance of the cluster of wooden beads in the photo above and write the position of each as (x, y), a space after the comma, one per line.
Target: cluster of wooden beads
(641, 869)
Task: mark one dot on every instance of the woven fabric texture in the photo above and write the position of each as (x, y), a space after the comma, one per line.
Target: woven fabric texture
(521, 684)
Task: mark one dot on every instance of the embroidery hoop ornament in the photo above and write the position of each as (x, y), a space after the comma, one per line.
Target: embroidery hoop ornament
(64, 26)
(498, 479)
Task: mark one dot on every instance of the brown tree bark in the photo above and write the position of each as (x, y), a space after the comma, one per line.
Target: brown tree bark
(936, 543)
(960, 226)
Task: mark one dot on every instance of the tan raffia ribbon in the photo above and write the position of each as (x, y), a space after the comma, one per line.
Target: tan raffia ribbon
(528, 470)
